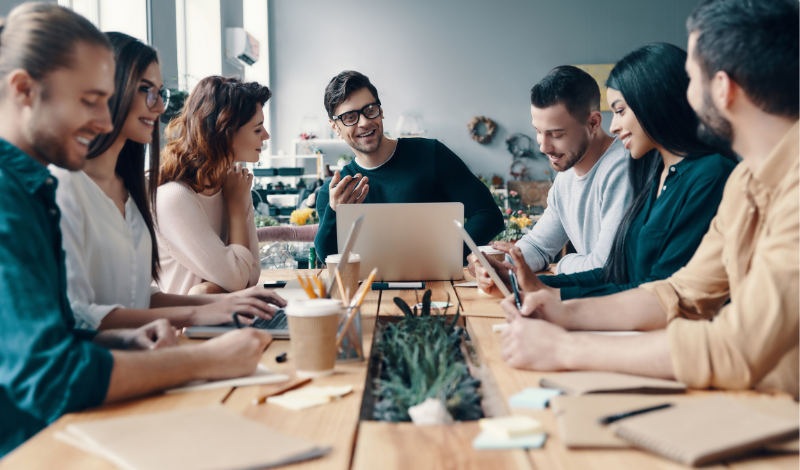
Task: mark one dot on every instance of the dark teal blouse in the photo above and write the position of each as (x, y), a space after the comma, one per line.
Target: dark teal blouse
(667, 231)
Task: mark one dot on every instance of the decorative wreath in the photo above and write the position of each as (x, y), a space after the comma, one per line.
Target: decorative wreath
(518, 170)
(490, 125)
(519, 149)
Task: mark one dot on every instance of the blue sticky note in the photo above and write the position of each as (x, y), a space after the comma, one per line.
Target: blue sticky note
(488, 441)
(535, 398)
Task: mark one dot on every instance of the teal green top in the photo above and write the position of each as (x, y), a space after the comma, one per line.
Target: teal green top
(419, 171)
(667, 231)
(47, 367)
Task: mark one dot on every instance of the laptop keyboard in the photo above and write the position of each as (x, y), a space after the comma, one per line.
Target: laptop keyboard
(278, 322)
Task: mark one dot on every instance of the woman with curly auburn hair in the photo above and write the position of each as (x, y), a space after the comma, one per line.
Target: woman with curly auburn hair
(206, 231)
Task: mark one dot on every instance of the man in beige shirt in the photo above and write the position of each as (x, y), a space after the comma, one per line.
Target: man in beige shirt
(743, 66)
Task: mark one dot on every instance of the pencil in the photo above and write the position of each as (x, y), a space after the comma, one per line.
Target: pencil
(296, 383)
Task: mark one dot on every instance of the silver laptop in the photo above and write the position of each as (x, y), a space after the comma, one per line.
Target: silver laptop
(406, 242)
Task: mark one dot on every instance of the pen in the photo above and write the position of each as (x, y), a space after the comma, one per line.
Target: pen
(612, 418)
(516, 289)
(235, 316)
(397, 285)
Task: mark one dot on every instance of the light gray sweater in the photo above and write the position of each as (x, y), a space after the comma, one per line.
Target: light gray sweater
(585, 210)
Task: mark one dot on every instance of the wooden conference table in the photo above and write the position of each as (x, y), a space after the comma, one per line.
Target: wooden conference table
(371, 444)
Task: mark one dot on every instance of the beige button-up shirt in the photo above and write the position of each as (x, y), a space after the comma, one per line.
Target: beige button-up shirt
(750, 255)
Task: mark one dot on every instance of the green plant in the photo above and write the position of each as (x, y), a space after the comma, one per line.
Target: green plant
(421, 359)
(266, 221)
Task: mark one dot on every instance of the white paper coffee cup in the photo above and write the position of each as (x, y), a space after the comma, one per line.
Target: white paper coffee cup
(313, 325)
(349, 275)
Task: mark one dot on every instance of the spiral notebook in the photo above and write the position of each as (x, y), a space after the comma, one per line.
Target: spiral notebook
(705, 431)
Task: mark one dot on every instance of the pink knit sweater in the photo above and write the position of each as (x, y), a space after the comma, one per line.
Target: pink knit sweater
(192, 234)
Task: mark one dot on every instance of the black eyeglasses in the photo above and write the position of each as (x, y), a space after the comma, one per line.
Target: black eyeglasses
(152, 96)
(350, 118)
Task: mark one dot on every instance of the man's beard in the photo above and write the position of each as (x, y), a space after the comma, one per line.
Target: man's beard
(712, 128)
(50, 148)
(572, 157)
(367, 149)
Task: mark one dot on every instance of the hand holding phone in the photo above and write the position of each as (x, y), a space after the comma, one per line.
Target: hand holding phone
(341, 191)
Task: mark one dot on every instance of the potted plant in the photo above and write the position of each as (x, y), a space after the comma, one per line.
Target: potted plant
(343, 160)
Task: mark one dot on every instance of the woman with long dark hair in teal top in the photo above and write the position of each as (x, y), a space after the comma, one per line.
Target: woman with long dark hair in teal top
(678, 180)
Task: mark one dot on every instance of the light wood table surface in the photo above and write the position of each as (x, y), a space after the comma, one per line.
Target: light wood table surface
(379, 445)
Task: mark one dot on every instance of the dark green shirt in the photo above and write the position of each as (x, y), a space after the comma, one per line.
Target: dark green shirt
(667, 231)
(47, 367)
(419, 171)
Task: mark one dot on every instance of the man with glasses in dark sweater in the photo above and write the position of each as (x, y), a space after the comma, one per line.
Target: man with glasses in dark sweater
(410, 170)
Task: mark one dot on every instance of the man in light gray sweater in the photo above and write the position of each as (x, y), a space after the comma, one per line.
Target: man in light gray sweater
(590, 192)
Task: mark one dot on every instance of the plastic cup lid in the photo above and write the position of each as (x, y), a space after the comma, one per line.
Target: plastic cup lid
(313, 307)
(336, 258)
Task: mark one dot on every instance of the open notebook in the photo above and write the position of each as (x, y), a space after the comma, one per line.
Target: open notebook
(196, 439)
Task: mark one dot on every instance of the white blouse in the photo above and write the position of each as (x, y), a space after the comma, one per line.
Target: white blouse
(108, 256)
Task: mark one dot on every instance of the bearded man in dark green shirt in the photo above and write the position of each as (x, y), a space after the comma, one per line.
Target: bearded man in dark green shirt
(409, 170)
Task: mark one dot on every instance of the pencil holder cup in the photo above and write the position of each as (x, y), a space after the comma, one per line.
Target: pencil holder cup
(351, 348)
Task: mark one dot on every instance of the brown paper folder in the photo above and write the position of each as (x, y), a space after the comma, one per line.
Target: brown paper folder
(578, 427)
(197, 439)
(705, 430)
(577, 416)
(580, 383)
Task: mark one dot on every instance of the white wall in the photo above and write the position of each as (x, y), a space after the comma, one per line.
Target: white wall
(450, 60)
(128, 16)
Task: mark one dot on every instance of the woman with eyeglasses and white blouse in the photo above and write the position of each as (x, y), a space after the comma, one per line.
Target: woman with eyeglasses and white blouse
(108, 227)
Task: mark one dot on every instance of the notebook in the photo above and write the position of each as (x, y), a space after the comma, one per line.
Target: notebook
(577, 416)
(704, 431)
(580, 383)
(262, 375)
(196, 439)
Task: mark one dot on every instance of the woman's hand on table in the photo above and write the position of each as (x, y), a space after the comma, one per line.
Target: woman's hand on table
(253, 302)
(206, 288)
(234, 354)
(154, 335)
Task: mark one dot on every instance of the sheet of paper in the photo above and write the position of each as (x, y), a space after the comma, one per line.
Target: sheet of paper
(533, 398)
(488, 441)
(262, 375)
(467, 284)
(511, 426)
(308, 397)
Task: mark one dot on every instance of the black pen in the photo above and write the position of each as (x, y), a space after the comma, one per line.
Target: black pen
(516, 289)
(628, 414)
(235, 316)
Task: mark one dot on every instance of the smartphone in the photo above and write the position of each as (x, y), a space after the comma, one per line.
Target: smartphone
(274, 284)
(354, 182)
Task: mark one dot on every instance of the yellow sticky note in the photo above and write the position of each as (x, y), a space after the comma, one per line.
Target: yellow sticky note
(297, 403)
